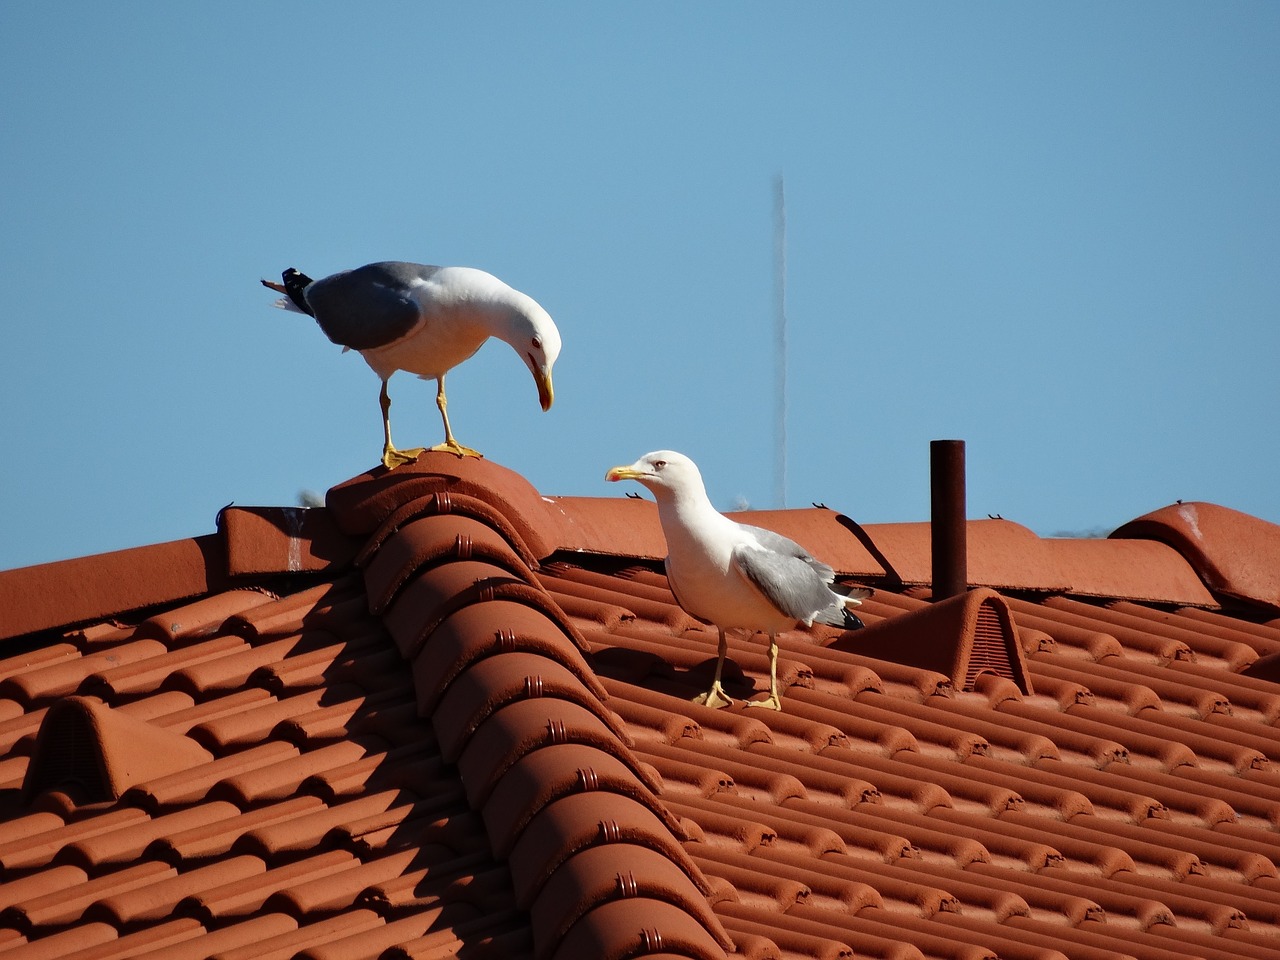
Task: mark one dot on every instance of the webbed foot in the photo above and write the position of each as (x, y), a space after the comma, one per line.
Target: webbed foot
(715, 698)
(392, 458)
(454, 447)
(771, 702)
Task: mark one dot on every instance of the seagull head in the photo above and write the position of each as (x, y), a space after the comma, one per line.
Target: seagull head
(664, 472)
(533, 335)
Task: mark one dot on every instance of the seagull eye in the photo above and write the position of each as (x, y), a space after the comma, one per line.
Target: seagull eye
(537, 343)
(659, 464)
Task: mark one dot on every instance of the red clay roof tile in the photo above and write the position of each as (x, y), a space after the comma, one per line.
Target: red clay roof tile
(361, 504)
(605, 525)
(109, 584)
(595, 876)
(63, 907)
(887, 810)
(290, 942)
(264, 540)
(544, 775)
(635, 926)
(215, 943)
(128, 843)
(469, 634)
(45, 684)
(1232, 552)
(433, 540)
(68, 943)
(156, 900)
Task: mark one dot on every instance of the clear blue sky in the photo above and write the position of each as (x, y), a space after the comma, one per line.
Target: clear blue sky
(1048, 229)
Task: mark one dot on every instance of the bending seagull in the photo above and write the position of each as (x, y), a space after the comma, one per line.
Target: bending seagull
(424, 320)
(734, 575)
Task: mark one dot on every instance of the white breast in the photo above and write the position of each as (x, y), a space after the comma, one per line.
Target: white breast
(702, 575)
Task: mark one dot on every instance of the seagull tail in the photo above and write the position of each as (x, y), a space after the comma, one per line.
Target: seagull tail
(849, 596)
(284, 303)
(850, 621)
(838, 615)
(294, 290)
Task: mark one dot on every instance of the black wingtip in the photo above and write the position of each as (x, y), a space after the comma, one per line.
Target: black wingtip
(851, 622)
(295, 285)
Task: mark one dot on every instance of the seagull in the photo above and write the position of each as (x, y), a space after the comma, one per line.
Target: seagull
(424, 320)
(733, 575)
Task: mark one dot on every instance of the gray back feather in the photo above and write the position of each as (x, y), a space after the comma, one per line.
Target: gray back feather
(370, 306)
(790, 584)
(780, 544)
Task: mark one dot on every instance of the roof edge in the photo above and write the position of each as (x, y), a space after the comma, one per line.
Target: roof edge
(69, 592)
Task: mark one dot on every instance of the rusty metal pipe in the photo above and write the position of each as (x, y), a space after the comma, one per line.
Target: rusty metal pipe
(947, 519)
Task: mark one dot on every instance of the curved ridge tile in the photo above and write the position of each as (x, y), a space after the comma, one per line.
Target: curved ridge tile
(502, 625)
(430, 540)
(448, 503)
(599, 875)
(499, 670)
(495, 681)
(527, 725)
(551, 772)
(1233, 552)
(1136, 569)
(434, 593)
(581, 820)
(620, 929)
(361, 504)
(431, 597)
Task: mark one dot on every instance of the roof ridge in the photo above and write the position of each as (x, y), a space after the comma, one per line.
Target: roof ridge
(543, 760)
(1232, 552)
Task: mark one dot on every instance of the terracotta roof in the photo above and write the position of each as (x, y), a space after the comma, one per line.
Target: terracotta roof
(446, 715)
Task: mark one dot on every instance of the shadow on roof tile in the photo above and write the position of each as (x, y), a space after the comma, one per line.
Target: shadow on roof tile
(433, 540)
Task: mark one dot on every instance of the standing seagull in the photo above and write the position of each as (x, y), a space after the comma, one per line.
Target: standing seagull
(734, 575)
(425, 320)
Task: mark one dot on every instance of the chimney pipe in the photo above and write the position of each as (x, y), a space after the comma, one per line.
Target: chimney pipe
(947, 521)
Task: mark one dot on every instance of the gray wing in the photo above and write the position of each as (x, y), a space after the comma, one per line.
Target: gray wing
(790, 583)
(789, 548)
(370, 306)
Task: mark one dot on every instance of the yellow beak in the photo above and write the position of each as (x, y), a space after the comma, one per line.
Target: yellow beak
(546, 393)
(623, 473)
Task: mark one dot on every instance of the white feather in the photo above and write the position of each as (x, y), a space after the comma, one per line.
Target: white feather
(284, 303)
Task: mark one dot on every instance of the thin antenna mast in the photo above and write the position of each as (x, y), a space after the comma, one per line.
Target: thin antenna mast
(780, 338)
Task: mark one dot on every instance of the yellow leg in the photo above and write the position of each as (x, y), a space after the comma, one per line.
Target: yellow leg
(773, 701)
(716, 697)
(391, 457)
(450, 445)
